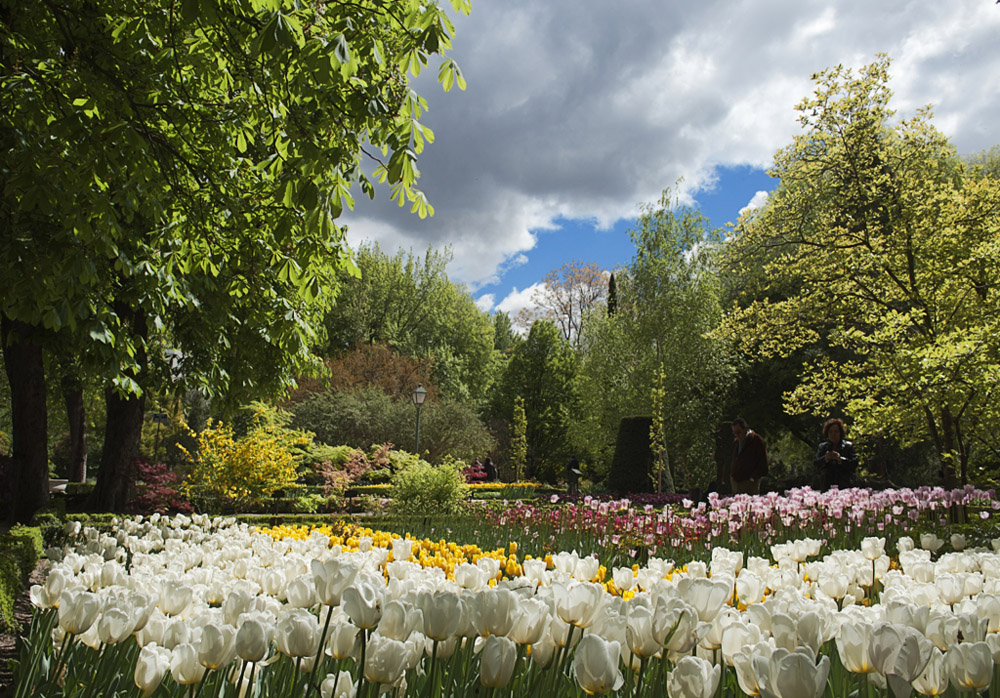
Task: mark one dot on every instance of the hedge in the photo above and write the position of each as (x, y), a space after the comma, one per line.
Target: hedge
(20, 549)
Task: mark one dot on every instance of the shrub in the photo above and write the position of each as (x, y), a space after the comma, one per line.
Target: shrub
(370, 416)
(156, 490)
(632, 464)
(20, 549)
(421, 488)
(50, 521)
(229, 473)
(80, 489)
(356, 467)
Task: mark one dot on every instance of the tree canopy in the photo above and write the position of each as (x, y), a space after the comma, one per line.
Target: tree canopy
(879, 244)
(173, 173)
(565, 296)
(409, 304)
(668, 301)
(541, 374)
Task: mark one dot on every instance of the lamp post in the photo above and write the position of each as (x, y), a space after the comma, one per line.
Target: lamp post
(418, 396)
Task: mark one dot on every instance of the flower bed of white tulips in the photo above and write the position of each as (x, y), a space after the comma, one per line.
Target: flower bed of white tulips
(182, 607)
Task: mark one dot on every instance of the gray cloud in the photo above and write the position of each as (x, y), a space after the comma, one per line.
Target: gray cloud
(586, 110)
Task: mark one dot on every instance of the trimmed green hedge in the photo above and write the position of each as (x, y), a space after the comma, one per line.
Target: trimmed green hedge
(20, 549)
(80, 489)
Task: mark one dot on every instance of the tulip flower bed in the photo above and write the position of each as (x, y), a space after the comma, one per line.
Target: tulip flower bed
(619, 532)
(197, 607)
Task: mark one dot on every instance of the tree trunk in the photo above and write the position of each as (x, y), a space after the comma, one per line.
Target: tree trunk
(72, 391)
(115, 477)
(28, 485)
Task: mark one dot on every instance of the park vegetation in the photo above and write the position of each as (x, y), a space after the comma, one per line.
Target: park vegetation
(865, 286)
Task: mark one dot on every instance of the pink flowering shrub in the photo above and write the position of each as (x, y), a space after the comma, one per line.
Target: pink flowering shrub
(358, 468)
(475, 473)
(156, 490)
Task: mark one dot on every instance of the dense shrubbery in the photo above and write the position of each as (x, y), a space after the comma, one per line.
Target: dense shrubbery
(231, 473)
(20, 549)
(157, 490)
(370, 417)
(421, 488)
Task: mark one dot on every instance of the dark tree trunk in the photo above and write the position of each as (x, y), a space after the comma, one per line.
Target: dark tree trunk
(115, 477)
(72, 391)
(28, 485)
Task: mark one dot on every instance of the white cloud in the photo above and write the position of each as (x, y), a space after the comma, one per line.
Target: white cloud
(516, 301)
(485, 302)
(758, 200)
(588, 112)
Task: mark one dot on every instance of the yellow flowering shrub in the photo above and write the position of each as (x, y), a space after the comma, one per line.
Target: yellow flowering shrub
(241, 473)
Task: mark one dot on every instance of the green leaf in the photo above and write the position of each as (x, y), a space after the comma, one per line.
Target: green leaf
(341, 50)
(268, 35)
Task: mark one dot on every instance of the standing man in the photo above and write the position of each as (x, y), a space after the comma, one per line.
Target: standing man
(573, 475)
(749, 461)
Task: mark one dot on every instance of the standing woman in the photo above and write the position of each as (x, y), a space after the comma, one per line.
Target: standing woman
(836, 456)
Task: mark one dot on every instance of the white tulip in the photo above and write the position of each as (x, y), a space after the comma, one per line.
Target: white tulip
(338, 686)
(497, 661)
(705, 595)
(218, 646)
(175, 597)
(624, 578)
(531, 623)
(297, 633)
(442, 613)
(493, 611)
(970, 665)
(301, 592)
(150, 668)
(343, 639)
(252, 641)
(693, 677)
(184, 665)
(363, 604)
(385, 660)
(78, 611)
(580, 603)
(639, 633)
(595, 665)
(114, 625)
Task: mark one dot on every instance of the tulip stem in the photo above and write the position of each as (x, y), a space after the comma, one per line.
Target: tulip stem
(431, 692)
(638, 681)
(63, 651)
(319, 653)
(361, 664)
(201, 684)
(239, 682)
(295, 676)
(253, 670)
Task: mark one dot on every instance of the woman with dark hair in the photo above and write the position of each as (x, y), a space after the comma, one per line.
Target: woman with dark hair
(491, 470)
(836, 456)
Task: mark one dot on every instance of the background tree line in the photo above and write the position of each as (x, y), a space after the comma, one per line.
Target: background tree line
(864, 287)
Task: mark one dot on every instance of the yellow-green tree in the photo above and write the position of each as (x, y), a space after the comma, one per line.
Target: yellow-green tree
(519, 442)
(877, 249)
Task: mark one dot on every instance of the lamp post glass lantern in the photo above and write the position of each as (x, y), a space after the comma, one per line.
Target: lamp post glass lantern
(418, 396)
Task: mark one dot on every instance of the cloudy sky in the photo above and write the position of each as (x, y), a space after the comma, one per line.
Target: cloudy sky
(577, 112)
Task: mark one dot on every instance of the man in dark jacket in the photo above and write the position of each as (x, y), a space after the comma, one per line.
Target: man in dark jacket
(749, 462)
